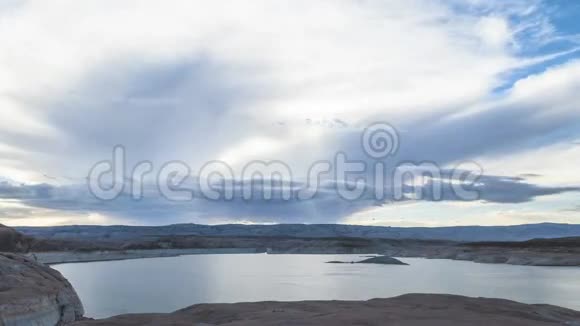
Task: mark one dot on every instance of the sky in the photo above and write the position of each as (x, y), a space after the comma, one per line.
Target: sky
(466, 85)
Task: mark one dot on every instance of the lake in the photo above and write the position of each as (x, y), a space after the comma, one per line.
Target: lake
(167, 284)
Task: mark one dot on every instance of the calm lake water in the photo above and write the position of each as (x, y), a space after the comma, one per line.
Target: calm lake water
(167, 284)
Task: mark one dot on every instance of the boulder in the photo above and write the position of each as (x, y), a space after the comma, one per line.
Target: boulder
(35, 294)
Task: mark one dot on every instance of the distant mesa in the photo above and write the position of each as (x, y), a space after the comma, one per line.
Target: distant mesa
(458, 233)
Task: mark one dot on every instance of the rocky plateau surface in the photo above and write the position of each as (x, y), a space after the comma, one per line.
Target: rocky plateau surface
(406, 310)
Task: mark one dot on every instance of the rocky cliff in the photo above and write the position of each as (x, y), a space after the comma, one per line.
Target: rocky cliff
(12, 241)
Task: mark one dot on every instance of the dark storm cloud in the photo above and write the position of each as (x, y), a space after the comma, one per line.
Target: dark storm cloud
(326, 206)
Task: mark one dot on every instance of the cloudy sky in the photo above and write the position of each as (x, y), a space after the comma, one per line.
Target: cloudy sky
(491, 83)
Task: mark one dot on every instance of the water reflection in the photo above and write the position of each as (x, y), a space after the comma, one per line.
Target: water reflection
(168, 284)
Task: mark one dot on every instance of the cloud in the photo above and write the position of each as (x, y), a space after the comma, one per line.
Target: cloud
(327, 206)
(296, 81)
(573, 209)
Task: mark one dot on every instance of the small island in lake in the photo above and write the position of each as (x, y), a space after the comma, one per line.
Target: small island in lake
(381, 260)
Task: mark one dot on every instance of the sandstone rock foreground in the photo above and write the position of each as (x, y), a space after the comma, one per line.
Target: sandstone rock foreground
(406, 310)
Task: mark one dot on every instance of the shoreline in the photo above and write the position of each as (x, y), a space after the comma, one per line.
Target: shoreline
(69, 257)
(492, 256)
